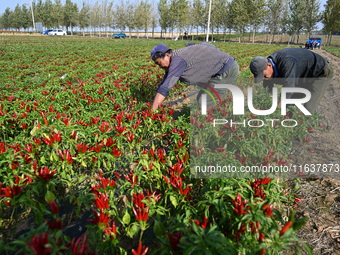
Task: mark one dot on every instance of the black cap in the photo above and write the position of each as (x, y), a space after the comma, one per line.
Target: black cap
(257, 66)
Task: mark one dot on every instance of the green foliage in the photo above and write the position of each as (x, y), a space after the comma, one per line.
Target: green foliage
(334, 50)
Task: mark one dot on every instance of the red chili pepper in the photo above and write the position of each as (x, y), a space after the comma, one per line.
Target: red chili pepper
(286, 227)
(54, 224)
(116, 152)
(142, 250)
(111, 230)
(100, 217)
(261, 237)
(141, 211)
(45, 173)
(101, 201)
(141, 214)
(120, 129)
(263, 251)
(79, 246)
(175, 240)
(38, 244)
(130, 136)
(105, 181)
(257, 224)
(204, 223)
(265, 206)
(105, 127)
(239, 205)
(47, 141)
(252, 227)
(54, 207)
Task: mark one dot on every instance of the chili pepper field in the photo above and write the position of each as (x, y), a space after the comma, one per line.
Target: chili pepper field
(87, 168)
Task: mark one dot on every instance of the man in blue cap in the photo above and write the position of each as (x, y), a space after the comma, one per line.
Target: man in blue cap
(294, 67)
(197, 64)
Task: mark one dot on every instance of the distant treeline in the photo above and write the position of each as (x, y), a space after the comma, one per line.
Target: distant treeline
(291, 17)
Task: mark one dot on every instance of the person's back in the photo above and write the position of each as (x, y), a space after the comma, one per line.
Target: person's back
(202, 62)
(307, 64)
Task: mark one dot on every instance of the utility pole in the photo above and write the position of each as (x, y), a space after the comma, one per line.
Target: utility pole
(208, 26)
(33, 16)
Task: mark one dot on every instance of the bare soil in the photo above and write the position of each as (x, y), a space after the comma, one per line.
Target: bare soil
(321, 197)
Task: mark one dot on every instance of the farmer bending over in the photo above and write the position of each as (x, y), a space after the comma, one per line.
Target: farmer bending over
(197, 64)
(294, 67)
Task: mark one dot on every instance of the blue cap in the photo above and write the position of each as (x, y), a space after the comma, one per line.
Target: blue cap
(159, 48)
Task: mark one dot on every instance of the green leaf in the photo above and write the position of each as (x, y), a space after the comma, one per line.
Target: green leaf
(122, 251)
(43, 160)
(174, 201)
(34, 130)
(132, 230)
(297, 250)
(299, 223)
(308, 248)
(126, 218)
(209, 93)
(292, 215)
(278, 214)
(49, 196)
(54, 156)
(158, 228)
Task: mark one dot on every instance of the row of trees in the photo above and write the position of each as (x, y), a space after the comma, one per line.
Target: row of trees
(273, 16)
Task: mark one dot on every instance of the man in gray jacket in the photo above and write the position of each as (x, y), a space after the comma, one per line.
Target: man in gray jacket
(194, 65)
(294, 67)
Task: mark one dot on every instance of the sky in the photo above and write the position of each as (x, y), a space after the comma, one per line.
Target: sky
(12, 3)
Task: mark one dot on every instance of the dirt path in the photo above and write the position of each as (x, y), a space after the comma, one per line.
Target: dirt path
(325, 145)
(321, 198)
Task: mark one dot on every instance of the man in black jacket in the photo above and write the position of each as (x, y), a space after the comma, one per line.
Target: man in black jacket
(294, 67)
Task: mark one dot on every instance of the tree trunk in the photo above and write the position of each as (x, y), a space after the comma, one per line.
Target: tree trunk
(327, 39)
(289, 39)
(254, 33)
(273, 37)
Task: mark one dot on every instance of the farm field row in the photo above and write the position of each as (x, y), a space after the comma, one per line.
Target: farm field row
(87, 168)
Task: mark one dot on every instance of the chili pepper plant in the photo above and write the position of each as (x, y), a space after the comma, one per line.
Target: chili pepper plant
(87, 168)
